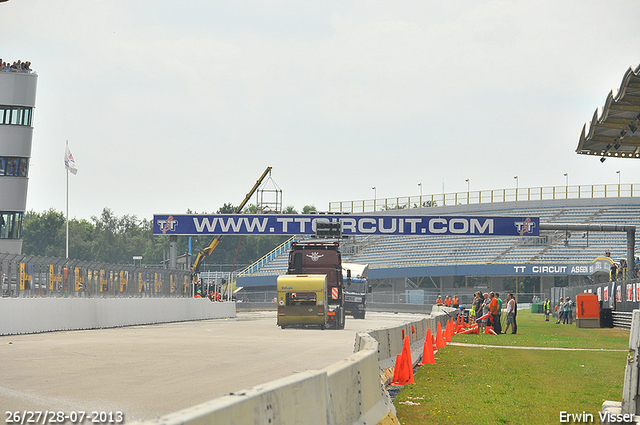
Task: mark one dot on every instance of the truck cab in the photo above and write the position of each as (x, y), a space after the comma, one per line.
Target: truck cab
(356, 289)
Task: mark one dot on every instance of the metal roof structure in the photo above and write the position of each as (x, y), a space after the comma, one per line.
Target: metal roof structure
(613, 130)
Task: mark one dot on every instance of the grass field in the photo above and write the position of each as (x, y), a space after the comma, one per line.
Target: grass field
(483, 385)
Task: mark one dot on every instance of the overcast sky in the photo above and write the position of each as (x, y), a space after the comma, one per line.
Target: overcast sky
(176, 105)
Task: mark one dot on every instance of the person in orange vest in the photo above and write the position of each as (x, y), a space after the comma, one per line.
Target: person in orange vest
(455, 302)
(198, 294)
(447, 301)
(494, 309)
(439, 300)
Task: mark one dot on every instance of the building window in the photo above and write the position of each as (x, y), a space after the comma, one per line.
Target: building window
(16, 115)
(11, 166)
(11, 225)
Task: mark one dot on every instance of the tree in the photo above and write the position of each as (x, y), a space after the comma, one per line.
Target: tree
(290, 209)
(308, 209)
(44, 233)
(227, 208)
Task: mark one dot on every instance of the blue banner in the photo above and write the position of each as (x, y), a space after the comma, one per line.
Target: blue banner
(299, 224)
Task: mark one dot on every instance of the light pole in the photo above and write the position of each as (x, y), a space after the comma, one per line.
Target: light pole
(468, 191)
(566, 185)
(618, 173)
(375, 196)
(516, 177)
(420, 186)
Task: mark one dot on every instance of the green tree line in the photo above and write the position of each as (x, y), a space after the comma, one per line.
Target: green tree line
(112, 239)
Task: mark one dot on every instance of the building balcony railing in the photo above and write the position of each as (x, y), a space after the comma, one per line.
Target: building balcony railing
(488, 196)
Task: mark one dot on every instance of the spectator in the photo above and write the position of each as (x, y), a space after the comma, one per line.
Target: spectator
(455, 302)
(607, 253)
(499, 310)
(478, 302)
(17, 66)
(493, 310)
(511, 316)
(568, 311)
(560, 310)
(614, 272)
(485, 311)
(547, 308)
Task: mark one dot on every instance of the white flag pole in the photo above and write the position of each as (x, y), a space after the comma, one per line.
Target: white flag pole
(67, 251)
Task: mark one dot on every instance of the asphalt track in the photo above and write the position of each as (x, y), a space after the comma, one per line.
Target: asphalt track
(149, 371)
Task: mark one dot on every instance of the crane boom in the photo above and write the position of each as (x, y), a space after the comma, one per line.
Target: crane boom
(216, 239)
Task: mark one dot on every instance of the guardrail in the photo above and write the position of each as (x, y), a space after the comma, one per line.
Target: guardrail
(347, 392)
(487, 196)
(283, 247)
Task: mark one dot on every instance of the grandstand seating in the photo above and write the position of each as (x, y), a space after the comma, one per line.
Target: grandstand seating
(549, 247)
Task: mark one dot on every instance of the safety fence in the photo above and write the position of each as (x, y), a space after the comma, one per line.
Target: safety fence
(487, 197)
(408, 301)
(36, 276)
(620, 296)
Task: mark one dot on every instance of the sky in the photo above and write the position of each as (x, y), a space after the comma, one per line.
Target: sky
(173, 106)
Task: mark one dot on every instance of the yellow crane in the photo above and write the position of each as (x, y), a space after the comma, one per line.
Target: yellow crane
(195, 268)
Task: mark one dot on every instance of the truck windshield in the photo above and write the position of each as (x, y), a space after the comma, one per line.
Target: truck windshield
(359, 287)
(301, 298)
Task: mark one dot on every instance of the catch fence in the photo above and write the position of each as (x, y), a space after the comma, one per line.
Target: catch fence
(37, 276)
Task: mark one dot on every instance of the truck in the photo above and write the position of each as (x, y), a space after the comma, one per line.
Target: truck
(312, 291)
(356, 289)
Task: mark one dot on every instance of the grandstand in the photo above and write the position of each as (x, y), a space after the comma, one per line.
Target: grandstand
(397, 259)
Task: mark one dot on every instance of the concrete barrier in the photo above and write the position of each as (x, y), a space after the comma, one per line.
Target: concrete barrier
(256, 306)
(283, 401)
(33, 315)
(348, 392)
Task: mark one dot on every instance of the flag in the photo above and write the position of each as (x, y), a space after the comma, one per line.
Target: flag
(69, 162)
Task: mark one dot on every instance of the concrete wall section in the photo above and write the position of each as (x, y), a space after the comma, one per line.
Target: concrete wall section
(279, 402)
(32, 315)
(18, 88)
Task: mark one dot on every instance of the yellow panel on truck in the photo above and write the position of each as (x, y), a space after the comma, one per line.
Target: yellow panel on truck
(302, 300)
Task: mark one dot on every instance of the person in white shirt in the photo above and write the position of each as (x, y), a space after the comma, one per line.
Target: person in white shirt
(511, 314)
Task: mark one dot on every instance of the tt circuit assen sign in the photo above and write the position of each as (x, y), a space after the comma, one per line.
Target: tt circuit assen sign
(288, 224)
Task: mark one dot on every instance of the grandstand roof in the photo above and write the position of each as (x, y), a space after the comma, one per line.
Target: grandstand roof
(612, 132)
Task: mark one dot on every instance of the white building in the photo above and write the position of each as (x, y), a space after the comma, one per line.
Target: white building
(17, 102)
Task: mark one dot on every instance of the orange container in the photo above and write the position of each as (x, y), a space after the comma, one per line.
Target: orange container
(587, 306)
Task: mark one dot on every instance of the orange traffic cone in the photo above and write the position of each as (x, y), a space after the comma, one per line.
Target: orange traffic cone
(440, 342)
(433, 343)
(396, 369)
(427, 352)
(489, 331)
(403, 372)
(446, 334)
(472, 330)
